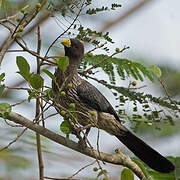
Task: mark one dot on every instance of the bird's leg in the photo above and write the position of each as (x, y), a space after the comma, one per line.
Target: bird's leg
(81, 142)
(78, 130)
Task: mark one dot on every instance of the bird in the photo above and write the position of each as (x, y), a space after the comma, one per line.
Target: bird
(87, 99)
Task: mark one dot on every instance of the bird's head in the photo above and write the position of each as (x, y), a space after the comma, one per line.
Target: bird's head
(74, 49)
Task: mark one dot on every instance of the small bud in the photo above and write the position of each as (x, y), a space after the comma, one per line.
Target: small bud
(38, 5)
(63, 93)
(90, 54)
(63, 113)
(18, 19)
(149, 123)
(95, 169)
(117, 50)
(89, 71)
(20, 29)
(134, 83)
(69, 85)
(92, 124)
(93, 113)
(18, 35)
(22, 10)
(72, 105)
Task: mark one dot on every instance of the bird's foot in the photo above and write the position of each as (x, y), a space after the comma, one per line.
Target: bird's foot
(80, 129)
(77, 132)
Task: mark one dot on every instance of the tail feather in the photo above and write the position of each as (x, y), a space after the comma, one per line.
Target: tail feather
(144, 152)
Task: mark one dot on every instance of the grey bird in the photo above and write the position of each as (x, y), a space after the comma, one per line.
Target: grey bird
(88, 98)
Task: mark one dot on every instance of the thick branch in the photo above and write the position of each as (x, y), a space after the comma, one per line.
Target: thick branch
(119, 158)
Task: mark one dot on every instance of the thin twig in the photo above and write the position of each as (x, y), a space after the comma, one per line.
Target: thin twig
(167, 94)
(105, 59)
(70, 177)
(33, 53)
(15, 50)
(59, 178)
(38, 138)
(12, 125)
(17, 88)
(97, 47)
(18, 25)
(17, 103)
(18, 136)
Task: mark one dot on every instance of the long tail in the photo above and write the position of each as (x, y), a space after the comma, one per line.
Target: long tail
(148, 155)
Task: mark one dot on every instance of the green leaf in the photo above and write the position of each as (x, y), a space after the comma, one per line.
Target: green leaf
(62, 63)
(48, 94)
(133, 73)
(65, 127)
(5, 109)
(52, 76)
(145, 71)
(136, 71)
(156, 71)
(160, 176)
(2, 77)
(36, 81)
(24, 68)
(127, 174)
(154, 175)
(32, 94)
(1, 89)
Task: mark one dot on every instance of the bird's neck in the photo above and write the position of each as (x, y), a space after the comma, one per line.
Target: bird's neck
(71, 69)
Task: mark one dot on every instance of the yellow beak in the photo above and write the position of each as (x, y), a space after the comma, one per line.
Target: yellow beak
(66, 42)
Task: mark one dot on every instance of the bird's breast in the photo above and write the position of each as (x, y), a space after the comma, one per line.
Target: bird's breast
(63, 100)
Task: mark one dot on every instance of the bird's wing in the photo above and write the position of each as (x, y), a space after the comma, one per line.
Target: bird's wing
(92, 96)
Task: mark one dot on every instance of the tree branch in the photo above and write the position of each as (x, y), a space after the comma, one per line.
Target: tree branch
(118, 158)
(38, 138)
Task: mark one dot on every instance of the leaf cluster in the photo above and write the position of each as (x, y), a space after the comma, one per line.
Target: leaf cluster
(92, 11)
(87, 34)
(124, 67)
(65, 7)
(35, 80)
(145, 107)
